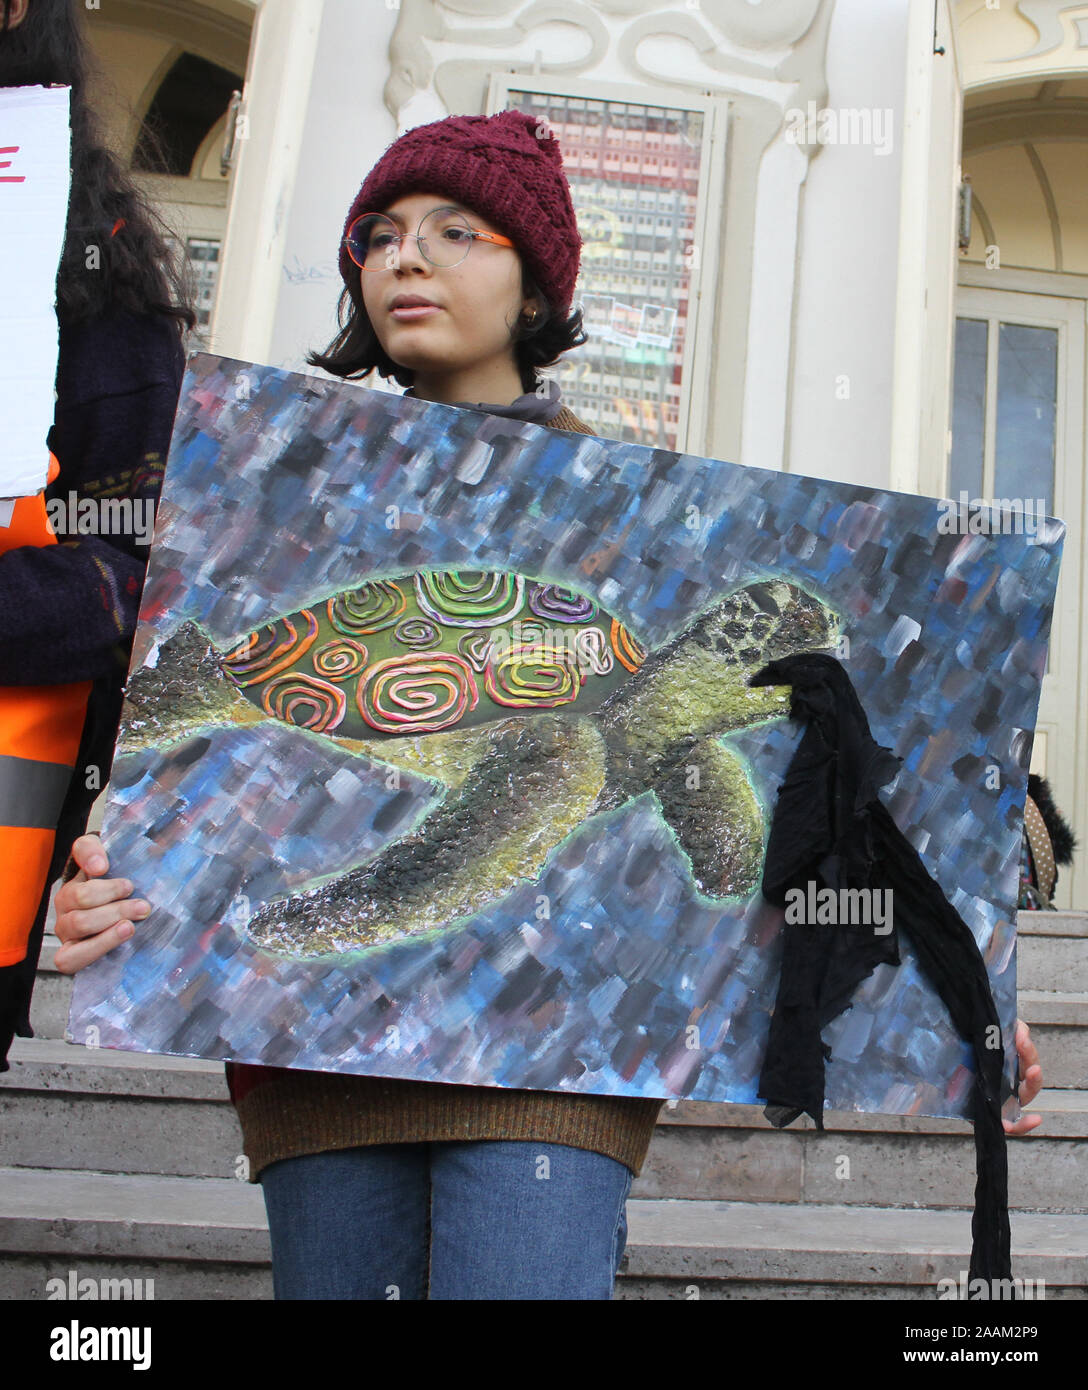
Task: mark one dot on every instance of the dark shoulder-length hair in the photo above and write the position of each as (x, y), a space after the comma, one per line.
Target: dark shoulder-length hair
(355, 351)
(137, 270)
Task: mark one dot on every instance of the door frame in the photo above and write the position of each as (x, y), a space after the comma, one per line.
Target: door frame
(1068, 667)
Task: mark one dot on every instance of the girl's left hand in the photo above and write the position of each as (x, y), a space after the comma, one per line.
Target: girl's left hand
(1031, 1080)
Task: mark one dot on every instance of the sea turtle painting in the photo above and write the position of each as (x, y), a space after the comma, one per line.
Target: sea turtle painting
(530, 707)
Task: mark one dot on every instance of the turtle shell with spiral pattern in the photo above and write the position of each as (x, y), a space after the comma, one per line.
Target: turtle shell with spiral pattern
(433, 650)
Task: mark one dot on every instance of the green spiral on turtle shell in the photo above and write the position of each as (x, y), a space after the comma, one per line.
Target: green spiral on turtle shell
(533, 675)
(369, 608)
(470, 598)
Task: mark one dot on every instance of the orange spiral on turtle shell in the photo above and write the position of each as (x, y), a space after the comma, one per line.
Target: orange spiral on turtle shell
(629, 651)
(256, 658)
(285, 696)
(339, 659)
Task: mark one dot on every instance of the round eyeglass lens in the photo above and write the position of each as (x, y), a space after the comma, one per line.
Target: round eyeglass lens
(444, 239)
(374, 242)
(445, 236)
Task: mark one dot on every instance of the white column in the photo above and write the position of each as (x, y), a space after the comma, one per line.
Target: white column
(926, 259)
(274, 107)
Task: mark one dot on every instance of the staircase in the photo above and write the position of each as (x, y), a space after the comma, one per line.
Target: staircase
(120, 1165)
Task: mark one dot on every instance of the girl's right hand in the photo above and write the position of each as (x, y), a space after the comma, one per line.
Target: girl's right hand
(94, 914)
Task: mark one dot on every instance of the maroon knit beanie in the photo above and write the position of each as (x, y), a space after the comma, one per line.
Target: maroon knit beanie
(498, 166)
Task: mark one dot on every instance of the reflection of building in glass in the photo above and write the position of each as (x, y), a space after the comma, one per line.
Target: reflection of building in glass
(203, 265)
(634, 175)
(204, 259)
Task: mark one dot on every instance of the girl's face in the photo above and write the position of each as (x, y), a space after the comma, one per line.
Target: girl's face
(467, 336)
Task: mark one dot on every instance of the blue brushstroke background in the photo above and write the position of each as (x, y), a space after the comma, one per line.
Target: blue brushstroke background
(282, 489)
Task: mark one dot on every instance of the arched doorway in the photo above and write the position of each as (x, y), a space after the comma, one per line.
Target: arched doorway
(169, 72)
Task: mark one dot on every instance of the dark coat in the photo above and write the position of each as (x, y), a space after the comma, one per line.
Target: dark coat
(68, 611)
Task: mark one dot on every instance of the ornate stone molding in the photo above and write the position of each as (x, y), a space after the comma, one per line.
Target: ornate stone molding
(779, 43)
(768, 60)
(1047, 19)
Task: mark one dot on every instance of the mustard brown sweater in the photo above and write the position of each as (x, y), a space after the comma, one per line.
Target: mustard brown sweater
(285, 1112)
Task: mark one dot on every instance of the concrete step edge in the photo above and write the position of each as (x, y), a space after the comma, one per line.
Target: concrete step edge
(50, 1064)
(47, 1065)
(58, 1211)
(1052, 923)
(1054, 1007)
(1064, 1112)
(687, 1239)
(50, 946)
(201, 1219)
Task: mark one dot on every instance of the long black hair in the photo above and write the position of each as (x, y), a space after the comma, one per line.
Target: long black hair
(137, 269)
(355, 351)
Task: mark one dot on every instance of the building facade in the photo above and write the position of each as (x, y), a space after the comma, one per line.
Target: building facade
(846, 238)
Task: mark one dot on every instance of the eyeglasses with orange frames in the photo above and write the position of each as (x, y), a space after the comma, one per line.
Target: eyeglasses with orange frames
(444, 237)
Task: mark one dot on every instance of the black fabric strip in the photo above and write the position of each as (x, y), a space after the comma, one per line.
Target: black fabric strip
(830, 828)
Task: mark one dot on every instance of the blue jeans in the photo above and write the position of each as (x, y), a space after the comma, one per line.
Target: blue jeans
(459, 1219)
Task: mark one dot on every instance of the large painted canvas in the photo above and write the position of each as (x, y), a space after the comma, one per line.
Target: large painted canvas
(439, 759)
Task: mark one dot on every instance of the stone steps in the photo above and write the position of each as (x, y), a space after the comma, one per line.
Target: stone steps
(1051, 962)
(123, 1165)
(203, 1238)
(872, 1160)
(67, 1107)
(1052, 924)
(744, 1249)
(208, 1238)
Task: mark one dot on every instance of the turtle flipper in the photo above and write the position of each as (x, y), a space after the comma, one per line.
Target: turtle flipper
(539, 779)
(708, 803)
(185, 690)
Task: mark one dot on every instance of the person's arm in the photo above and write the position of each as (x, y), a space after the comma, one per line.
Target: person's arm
(68, 611)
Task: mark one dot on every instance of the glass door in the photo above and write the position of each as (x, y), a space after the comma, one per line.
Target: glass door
(1018, 434)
